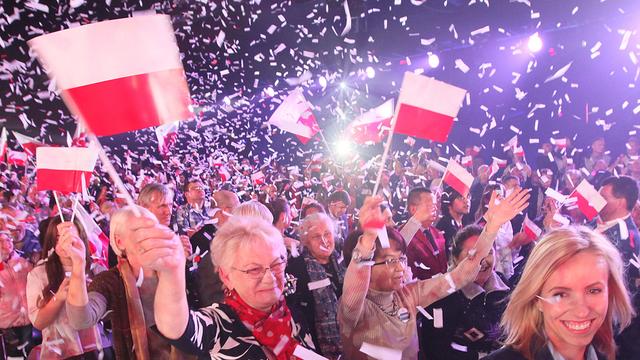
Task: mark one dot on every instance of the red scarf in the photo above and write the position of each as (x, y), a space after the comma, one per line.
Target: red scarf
(272, 330)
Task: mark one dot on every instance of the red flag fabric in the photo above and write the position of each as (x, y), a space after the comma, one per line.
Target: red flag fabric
(370, 127)
(294, 115)
(3, 144)
(118, 75)
(28, 144)
(61, 169)
(17, 158)
(427, 107)
(588, 199)
(98, 241)
(258, 178)
(530, 228)
(458, 178)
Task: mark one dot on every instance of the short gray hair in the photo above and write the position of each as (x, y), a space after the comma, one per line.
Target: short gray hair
(240, 230)
(147, 192)
(313, 220)
(253, 208)
(119, 223)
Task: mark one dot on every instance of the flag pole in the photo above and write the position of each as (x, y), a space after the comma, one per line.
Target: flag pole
(55, 196)
(326, 143)
(113, 174)
(385, 154)
(75, 203)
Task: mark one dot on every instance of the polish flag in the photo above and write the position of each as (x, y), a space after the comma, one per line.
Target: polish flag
(467, 161)
(496, 165)
(458, 178)
(118, 75)
(98, 241)
(530, 228)
(559, 143)
(62, 168)
(588, 199)
(294, 115)
(3, 143)
(427, 107)
(28, 144)
(167, 135)
(371, 126)
(258, 178)
(511, 144)
(17, 158)
(225, 175)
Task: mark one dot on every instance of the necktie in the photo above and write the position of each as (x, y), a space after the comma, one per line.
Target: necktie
(427, 233)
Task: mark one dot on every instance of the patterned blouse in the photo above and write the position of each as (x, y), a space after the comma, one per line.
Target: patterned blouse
(216, 332)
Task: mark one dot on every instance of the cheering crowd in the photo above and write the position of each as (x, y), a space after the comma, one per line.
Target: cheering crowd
(238, 259)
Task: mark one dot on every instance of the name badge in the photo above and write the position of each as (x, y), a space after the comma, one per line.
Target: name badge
(403, 315)
(314, 285)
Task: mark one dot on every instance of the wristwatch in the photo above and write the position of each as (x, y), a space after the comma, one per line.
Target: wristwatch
(358, 257)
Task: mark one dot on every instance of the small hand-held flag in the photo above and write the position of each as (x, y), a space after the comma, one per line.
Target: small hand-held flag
(61, 168)
(294, 115)
(588, 199)
(458, 178)
(427, 107)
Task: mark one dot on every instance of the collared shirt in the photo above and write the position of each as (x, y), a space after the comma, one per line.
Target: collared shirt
(606, 225)
(188, 216)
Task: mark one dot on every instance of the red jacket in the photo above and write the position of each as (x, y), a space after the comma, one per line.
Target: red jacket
(420, 251)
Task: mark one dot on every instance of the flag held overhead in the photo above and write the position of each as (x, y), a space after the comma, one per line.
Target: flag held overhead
(589, 200)
(427, 107)
(458, 177)
(118, 75)
(294, 115)
(61, 169)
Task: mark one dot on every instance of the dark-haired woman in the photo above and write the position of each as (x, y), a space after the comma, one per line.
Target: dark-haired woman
(47, 288)
(471, 315)
(378, 307)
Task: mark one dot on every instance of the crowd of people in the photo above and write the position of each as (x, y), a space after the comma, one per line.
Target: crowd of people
(231, 258)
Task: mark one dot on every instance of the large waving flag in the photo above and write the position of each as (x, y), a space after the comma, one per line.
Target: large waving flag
(427, 107)
(118, 75)
(28, 144)
(62, 169)
(98, 241)
(458, 177)
(371, 126)
(167, 135)
(294, 115)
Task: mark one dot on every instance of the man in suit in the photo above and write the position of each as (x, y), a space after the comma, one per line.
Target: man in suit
(426, 253)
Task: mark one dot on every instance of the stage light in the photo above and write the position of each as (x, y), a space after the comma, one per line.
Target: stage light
(433, 60)
(371, 72)
(343, 148)
(343, 85)
(322, 81)
(535, 43)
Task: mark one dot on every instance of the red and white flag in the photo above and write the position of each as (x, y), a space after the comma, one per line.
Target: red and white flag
(118, 75)
(496, 165)
(467, 161)
(3, 144)
(294, 115)
(167, 135)
(530, 228)
(98, 241)
(427, 107)
(559, 143)
(458, 177)
(588, 199)
(62, 168)
(17, 158)
(28, 144)
(372, 126)
(258, 178)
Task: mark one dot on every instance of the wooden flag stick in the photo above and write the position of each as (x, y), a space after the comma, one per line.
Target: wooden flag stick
(117, 181)
(385, 154)
(75, 203)
(55, 196)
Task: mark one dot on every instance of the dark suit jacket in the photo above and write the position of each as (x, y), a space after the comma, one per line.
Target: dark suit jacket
(507, 353)
(420, 251)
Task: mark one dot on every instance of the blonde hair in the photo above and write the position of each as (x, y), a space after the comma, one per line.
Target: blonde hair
(242, 230)
(523, 322)
(119, 223)
(253, 208)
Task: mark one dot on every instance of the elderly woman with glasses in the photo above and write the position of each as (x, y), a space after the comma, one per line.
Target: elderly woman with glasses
(378, 308)
(320, 274)
(253, 322)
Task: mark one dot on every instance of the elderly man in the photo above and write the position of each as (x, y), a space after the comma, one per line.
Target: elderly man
(206, 281)
(127, 290)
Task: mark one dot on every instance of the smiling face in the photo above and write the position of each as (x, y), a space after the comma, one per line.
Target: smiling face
(579, 288)
(251, 259)
(388, 277)
(320, 242)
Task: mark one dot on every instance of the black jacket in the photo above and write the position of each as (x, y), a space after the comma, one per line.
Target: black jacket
(507, 353)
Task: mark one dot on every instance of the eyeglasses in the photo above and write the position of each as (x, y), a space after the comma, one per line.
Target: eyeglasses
(391, 262)
(196, 188)
(258, 272)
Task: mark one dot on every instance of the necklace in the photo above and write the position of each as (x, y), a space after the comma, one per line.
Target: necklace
(394, 308)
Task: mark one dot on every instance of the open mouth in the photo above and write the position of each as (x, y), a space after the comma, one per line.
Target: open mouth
(577, 326)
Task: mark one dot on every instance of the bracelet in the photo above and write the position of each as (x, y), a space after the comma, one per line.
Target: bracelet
(452, 285)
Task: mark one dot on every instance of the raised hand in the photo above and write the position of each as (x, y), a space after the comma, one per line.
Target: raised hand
(71, 244)
(155, 246)
(506, 208)
(371, 219)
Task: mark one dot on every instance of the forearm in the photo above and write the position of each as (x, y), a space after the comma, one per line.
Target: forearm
(356, 286)
(77, 288)
(82, 317)
(48, 314)
(170, 306)
(486, 239)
